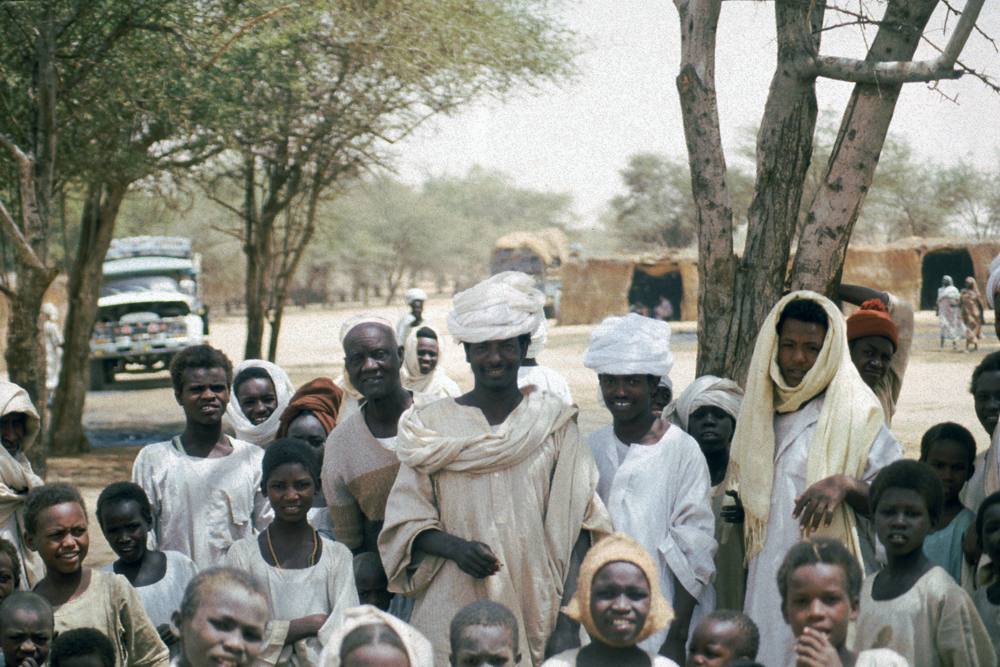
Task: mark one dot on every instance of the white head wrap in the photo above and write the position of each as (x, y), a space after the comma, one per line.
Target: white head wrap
(630, 345)
(993, 284)
(719, 392)
(261, 434)
(538, 337)
(418, 648)
(415, 294)
(504, 306)
(367, 318)
(665, 381)
(51, 311)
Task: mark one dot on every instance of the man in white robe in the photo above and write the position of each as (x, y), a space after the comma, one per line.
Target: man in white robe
(19, 426)
(810, 438)
(496, 495)
(653, 477)
(534, 374)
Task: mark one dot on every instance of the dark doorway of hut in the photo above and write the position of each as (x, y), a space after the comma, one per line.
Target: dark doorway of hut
(656, 294)
(954, 262)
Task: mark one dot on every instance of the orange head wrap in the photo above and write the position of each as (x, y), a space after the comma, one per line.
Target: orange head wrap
(872, 320)
(321, 397)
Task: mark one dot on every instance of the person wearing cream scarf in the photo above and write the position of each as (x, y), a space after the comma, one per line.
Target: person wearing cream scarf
(425, 340)
(809, 440)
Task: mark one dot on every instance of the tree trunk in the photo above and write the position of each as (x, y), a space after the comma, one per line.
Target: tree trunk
(253, 296)
(819, 261)
(96, 231)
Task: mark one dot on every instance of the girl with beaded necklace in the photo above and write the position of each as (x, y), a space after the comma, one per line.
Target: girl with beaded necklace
(309, 579)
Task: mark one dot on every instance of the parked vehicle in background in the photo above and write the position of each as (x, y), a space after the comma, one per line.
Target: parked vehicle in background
(150, 307)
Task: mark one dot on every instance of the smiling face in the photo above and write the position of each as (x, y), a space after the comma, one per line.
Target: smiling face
(619, 602)
(226, 630)
(125, 529)
(204, 395)
(495, 363)
(25, 634)
(290, 489)
(485, 646)
(308, 427)
(817, 598)
(871, 356)
(427, 354)
(258, 399)
(712, 427)
(627, 397)
(799, 345)
(61, 538)
(713, 644)
(950, 460)
(902, 521)
(661, 399)
(987, 397)
(371, 360)
(13, 426)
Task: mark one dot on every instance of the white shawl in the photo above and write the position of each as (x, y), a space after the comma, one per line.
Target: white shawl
(261, 434)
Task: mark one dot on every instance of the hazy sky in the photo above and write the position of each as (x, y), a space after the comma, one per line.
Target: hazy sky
(577, 137)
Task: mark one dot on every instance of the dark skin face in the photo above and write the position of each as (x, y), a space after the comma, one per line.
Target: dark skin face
(125, 530)
(902, 521)
(12, 429)
(7, 581)
(289, 489)
(661, 399)
(871, 356)
(372, 359)
(417, 309)
(61, 538)
(373, 588)
(987, 397)
(485, 646)
(427, 354)
(25, 637)
(712, 427)
(620, 601)
(495, 362)
(309, 428)
(627, 397)
(799, 345)
(950, 460)
(257, 398)
(204, 395)
(714, 643)
(819, 609)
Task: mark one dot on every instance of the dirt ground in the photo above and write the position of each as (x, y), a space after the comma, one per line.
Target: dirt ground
(142, 409)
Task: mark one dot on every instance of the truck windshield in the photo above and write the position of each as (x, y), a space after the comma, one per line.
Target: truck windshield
(140, 284)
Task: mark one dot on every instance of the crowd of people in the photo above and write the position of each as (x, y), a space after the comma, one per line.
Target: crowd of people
(387, 519)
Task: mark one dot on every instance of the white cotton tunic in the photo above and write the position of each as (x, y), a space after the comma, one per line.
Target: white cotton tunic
(660, 495)
(545, 379)
(569, 659)
(202, 505)
(162, 598)
(792, 434)
(325, 588)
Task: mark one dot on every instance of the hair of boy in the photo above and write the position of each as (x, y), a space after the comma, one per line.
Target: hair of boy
(483, 612)
(218, 576)
(821, 550)
(990, 363)
(80, 642)
(289, 450)
(48, 495)
(369, 559)
(912, 475)
(7, 547)
(948, 431)
(748, 635)
(426, 332)
(198, 356)
(992, 499)
(251, 373)
(28, 600)
(373, 633)
(123, 492)
(803, 310)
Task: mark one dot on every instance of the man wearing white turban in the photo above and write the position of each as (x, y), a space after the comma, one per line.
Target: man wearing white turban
(534, 374)
(653, 477)
(496, 495)
(414, 298)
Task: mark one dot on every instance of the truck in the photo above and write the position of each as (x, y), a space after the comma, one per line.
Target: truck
(540, 255)
(150, 307)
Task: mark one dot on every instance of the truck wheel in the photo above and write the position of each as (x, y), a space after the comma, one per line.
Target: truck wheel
(96, 380)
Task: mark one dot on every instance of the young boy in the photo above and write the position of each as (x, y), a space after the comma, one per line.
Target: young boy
(371, 581)
(987, 596)
(913, 606)
(82, 647)
(484, 633)
(26, 629)
(203, 486)
(724, 637)
(819, 581)
(221, 620)
(950, 450)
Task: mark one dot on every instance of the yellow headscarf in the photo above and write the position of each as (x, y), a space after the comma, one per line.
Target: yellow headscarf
(612, 549)
(848, 423)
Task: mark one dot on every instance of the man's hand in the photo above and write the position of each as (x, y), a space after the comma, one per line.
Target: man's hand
(813, 649)
(565, 636)
(474, 558)
(816, 506)
(734, 513)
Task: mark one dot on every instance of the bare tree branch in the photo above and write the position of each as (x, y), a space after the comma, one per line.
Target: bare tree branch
(887, 73)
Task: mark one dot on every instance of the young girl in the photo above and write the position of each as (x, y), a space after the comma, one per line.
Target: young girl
(159, 577)
(913, 606)
(370, 637)
(310, 580)
(618, 601)
(819, 581)
(950, 450)
(56, 527)
(10, 569)
(987, 596)
(261, 391)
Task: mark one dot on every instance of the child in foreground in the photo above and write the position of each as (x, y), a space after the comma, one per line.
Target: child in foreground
(914, 606)
(371, 581)
(819, 581)
(26, 629)
(10, 568)
(56, 527)
(221, 619)
(82, 647)
(370, 637)
(618, 601)
(723, 638)
(987, 596)
(950, 450)
(484, 633)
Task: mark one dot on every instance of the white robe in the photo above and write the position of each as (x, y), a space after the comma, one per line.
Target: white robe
(660, 495)
(546, 379)
(162, 598)
(202, 505)
(792, 434)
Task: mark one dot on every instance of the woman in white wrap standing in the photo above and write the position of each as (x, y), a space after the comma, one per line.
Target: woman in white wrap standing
(950, 312)
(261, 392)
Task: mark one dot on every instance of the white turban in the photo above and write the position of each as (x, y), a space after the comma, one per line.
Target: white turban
(415, 294)
(367, 318)
(993, 284)
(504, 306)
(538, 337)
(50, 311)
(260, 434)
(718, 392)
(630, 345)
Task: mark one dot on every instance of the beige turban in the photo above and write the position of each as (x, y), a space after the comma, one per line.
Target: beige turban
(630, 345)
(718, 392)
(418, 648)
(504, 306)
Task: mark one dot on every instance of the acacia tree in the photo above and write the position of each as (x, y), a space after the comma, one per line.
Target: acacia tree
(736, 293)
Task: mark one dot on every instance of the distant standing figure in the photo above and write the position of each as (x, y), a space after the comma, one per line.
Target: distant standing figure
(992, 288)
(52, 334)
(415, 298)
(972, 313)
(664, 310)
(949, 313)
